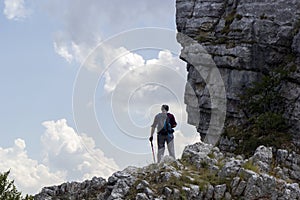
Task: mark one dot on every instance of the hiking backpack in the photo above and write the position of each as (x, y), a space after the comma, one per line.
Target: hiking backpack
(169, 124)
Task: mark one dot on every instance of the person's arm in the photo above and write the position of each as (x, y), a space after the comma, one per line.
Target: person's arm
(153, 129)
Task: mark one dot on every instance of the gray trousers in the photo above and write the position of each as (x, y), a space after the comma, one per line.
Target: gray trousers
(161, 140)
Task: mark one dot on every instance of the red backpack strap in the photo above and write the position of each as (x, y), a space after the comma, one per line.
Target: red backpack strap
(172, 120)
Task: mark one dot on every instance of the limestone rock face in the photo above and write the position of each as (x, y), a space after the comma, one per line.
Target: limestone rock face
(203, 172)
(86, 190)
(245, 39)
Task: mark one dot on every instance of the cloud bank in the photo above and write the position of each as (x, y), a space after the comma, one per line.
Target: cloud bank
(65, 149)
(84, 24)
(15, 9)
(28, 174)
(65, 158)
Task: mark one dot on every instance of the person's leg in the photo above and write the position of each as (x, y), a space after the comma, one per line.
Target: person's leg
(161, 147)
(170, 142)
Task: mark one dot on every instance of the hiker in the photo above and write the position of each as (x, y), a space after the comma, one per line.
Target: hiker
(164, 122)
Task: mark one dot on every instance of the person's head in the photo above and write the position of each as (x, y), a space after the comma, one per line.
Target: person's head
(164, 108)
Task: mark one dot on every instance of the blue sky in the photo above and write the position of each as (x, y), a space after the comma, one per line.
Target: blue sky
(43, 45)
(36, 84)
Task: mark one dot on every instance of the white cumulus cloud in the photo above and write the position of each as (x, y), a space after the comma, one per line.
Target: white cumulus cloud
(29, 174)
(65, 159)
(72, 49)
(63, 51)
(85, 24)
(15, 9)
(137, 89)
(65, 149)
(143, 82)
(126, 61)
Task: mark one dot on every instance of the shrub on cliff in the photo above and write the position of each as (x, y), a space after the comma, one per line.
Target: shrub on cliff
(8, 190)
(263, 106)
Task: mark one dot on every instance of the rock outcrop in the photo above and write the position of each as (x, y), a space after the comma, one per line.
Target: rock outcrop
(203, 172)
(245, 39)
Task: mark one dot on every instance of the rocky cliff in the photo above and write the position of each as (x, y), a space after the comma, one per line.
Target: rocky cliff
(203, 172)
(246, 38)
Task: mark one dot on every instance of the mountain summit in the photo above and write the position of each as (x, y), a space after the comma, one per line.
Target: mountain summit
(203, 172)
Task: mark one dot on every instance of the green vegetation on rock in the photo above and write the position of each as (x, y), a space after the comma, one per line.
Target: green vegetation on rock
(250, 166)
(201, 176)
(8, 190)
(228, 21)
(263, 106)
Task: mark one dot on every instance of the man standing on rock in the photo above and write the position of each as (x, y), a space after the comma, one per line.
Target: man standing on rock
(164, 122)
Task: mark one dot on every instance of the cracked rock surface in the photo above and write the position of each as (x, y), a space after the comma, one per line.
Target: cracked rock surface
(245, 39)
(203, 172)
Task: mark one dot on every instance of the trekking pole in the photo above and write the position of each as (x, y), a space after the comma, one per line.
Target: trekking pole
(153, 152)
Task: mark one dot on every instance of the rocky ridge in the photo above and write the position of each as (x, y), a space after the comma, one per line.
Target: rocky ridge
(245, 39)
(203, 172)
